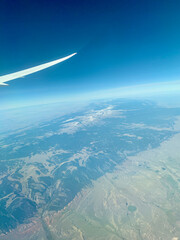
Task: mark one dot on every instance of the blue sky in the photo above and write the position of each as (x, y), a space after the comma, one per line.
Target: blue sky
(119, 43)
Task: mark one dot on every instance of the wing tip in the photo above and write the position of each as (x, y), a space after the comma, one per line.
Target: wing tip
(3, 84)
(73, 54)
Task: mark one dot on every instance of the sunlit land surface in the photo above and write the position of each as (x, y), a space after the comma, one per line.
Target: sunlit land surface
(103, 170)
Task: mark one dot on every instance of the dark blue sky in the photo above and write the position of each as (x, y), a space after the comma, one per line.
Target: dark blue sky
(118, 43)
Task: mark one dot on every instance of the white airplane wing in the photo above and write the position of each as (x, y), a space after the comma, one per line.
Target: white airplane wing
(12, 76)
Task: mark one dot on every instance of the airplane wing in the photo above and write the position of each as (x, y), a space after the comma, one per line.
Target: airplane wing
(12, 76)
